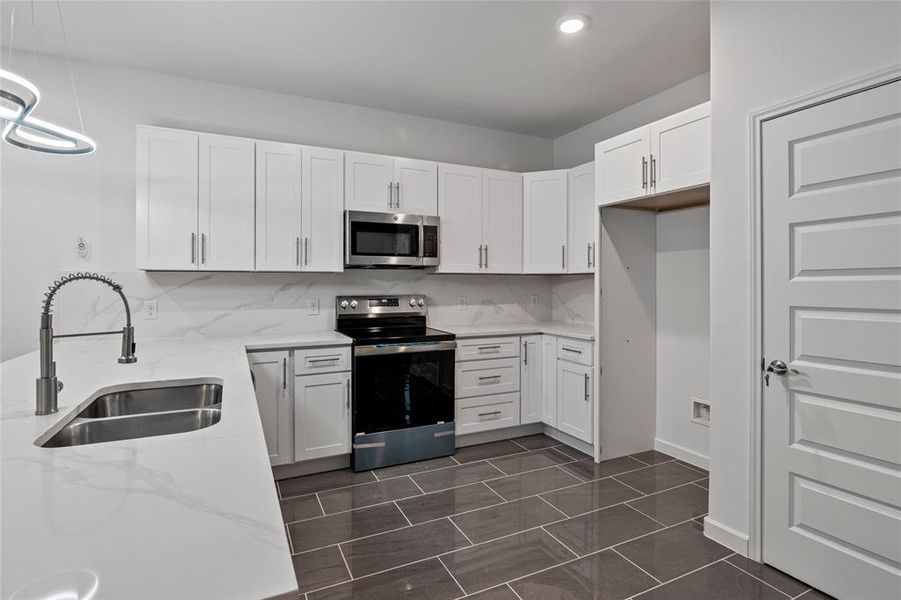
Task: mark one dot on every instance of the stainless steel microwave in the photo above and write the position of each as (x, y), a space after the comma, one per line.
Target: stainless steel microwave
(384, 240)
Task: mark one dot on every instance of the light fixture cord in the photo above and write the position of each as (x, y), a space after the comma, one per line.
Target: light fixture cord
(62, 28)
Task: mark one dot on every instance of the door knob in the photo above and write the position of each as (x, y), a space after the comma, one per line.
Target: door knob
(777, 367)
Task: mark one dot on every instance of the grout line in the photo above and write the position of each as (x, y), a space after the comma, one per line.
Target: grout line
(494, 491)
(331, 585)
(453, 458)
(731, 564)
(647, 515)
(551, 505)
(510, 587)
(634, 565)
(668, 581)
(290, 541)
(461, 533)
(451, 575)
(346, 564)
(321, 507)
(421, 491)
(518, 444)
(613, 477)
(407, 519)
(556, 539)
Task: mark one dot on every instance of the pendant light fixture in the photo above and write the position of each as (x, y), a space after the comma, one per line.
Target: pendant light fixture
(18, 99)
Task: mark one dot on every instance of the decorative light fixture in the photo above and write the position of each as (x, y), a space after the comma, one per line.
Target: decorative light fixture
(572, 23)
(18, 99)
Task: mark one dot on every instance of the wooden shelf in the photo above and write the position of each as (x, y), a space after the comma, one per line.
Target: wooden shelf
(698, 196)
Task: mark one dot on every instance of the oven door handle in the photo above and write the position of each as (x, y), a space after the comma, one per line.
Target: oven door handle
(404, 348)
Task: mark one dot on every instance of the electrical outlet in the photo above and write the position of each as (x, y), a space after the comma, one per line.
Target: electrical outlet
(313, 307)
(700, 412)
(151, 310)
(533, 300)
(462, 302)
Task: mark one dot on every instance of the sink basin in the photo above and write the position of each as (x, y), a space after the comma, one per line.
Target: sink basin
(139, 410)
(94, 431)
(151, 400)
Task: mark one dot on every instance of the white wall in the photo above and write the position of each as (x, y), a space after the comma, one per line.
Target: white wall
(762, 54)
(49, 201)
(683, 335)
(577, 147)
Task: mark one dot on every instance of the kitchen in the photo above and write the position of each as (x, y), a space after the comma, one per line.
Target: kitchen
(402, 346)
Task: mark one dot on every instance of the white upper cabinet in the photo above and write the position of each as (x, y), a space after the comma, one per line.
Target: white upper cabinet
(581, 247)
(544, 222)
(460, 210)
(416, 186)
(278, 207)
(501, 221)
(322, 220)
(667, 155)
(622, 166)
(368, 182)
(226, 188)
(378, 183)
(166, 208)
(680, 145)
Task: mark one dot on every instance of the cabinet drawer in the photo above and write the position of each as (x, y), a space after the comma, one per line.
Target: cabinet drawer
(309, 361)
(575, 351)
(492, 347)
(487, 412)
(478, 378)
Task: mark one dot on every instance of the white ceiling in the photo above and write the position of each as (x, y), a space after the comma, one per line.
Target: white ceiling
(494, 64)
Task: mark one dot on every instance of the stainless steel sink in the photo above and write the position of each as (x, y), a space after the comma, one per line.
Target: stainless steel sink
(151, 400)
(139, 411)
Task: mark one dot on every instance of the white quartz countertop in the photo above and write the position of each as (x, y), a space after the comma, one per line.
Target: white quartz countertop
(572, 330)
(189, 515)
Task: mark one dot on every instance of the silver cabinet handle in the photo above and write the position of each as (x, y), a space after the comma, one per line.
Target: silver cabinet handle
(480, 256)
(644, 173)
(488, 414)
(347, 394)
(594, 256)
(397, 194)
(306, 251)
(586, 387)
(568, 349)
(390, 198)
(525, 353)
(563, 256)
(495, 347)
(486, 256)
(297, 251)
(588, 259)
(653, 172)
(284, 373)
(203, 248)
(316, 361)
(193, 248)
(489, 377)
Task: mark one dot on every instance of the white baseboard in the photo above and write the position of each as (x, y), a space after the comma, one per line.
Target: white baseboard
(569, 440)
(690, 456)
(728, 537)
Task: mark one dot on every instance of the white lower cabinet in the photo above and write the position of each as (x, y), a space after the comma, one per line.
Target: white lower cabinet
(483, 413)
(531, 408)
(549, 380)
(574, 400)
(271, 380)
(487, 384)
(321, 415)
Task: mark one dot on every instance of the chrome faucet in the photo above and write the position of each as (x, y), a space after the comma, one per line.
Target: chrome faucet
(48, 386)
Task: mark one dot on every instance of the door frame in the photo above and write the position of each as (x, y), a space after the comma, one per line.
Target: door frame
(755, 254)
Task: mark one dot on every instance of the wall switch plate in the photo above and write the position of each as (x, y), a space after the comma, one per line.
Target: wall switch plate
(462, 302)
(313, 307)
(151, 310)
(533, 300)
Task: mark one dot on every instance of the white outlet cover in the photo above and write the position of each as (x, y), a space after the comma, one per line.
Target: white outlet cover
(151, 310)
(462, 300)
(533, 300)
(313, 306)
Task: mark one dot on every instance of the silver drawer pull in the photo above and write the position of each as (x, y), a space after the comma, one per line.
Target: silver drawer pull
(496, 347)
(568, 349)
(485, 377)
(322, 360)
(488, 414)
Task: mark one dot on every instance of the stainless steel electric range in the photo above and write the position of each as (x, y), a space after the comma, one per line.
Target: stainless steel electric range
(403, 380)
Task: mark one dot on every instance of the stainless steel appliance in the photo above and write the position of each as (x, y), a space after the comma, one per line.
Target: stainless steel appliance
(403, 381)
(379, 240)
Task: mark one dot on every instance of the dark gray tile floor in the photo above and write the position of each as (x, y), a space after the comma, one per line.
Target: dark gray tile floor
(522, 519)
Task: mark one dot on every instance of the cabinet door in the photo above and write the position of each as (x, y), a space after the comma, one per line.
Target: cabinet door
(581, 244)
(530, 380)
(270, 374)
(544, 222)
(321, 415)
(417, 186)
(502, 221)
(226, 188)
(460, 209)
(574, 404)
(621, 167)
(368, 182)
(549, 380)
(278, 207)
(322, 224)
(166, 207)
(680, 147)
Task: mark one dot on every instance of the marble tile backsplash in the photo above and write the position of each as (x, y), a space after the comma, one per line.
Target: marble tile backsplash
(216, 304)
(573, 298)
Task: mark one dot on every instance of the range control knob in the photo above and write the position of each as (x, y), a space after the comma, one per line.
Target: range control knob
(344, 305)
(353, 304)
(412, 301)
(421, 302)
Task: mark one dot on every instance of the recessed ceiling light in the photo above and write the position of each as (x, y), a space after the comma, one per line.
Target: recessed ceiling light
(572, 23)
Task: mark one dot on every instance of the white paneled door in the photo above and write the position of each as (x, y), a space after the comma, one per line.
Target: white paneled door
(502, 221)
(582, 248)
(278, 207)
(369, 182)
(544, 221)
(322, 224)
(416, 186)
(622, 167)
(460, 209)
(832, 338)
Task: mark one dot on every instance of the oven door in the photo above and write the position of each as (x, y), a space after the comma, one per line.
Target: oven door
(382, 239)
(399, 386)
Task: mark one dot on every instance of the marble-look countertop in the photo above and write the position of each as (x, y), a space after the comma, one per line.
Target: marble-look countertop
(189, 515)
(571, 330)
